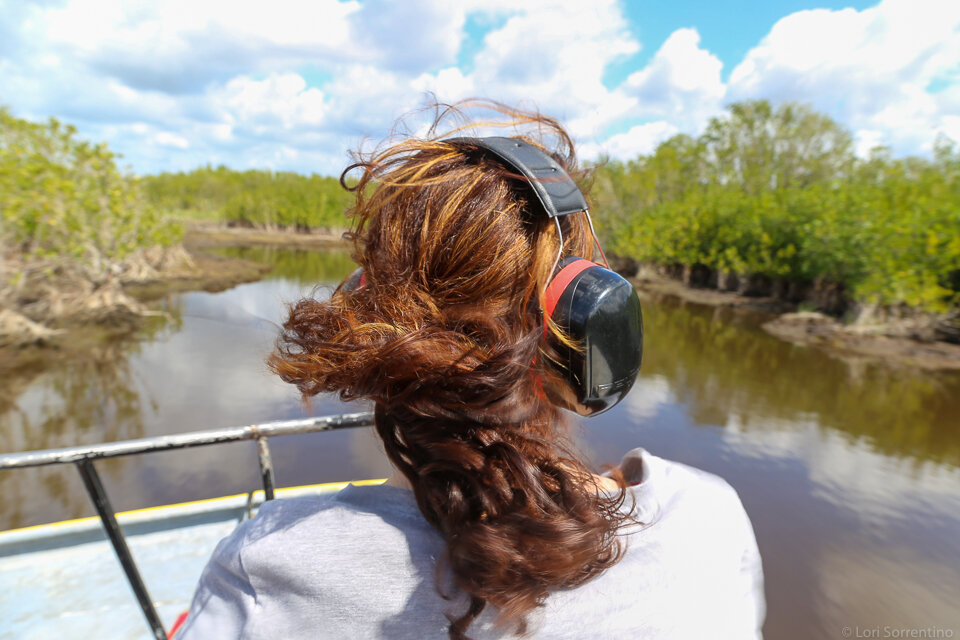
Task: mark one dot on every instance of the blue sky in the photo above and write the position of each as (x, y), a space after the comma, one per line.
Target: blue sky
(296, 84)
(728, 29)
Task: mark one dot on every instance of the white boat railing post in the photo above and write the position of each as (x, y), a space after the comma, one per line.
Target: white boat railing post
(91, 480)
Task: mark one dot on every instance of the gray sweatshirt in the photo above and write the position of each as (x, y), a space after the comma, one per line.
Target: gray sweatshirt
(361, 564)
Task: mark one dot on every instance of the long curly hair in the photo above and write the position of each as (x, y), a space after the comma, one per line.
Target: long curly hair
(447, 338)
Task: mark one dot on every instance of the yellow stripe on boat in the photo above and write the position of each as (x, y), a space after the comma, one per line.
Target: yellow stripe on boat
(255, 497)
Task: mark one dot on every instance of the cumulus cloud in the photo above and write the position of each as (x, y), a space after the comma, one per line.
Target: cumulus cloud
(866, 140)
(280, 101)
(167, 139)
(230, 79)
(550, 55)
(640, 139)
(409, 37)
(174, 84)
(682, 82)
(180, 46)
(871, 69)
(951, 127)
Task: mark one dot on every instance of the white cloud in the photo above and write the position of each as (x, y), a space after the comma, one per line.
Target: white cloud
(175, 84)
(167, 139)
(450, 83)
(951, 127)
(870, 69)
(682, 82)
(866, 140)
(180, 46)
(109, 60)
(640, 139)
(281, 100)
(411, 36)
(551, 56)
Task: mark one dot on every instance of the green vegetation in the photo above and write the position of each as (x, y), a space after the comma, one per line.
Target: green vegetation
(252, 198)
(62, 197)
(769, 192)
(778, 192)
(775, 193)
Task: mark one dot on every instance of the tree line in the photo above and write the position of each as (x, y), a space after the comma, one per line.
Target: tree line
(256, 198)
(766, 196)
(776, 194)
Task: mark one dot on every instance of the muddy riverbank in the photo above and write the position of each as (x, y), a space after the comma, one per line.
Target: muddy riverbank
(201, 264)
(898, 340)
(60, 305)
(206, 236)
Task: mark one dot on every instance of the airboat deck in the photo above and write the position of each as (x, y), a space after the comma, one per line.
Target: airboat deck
(130, 575)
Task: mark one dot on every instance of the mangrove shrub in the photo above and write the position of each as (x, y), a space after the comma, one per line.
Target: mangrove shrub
(63, 197)
(256, 198)
(778, 192)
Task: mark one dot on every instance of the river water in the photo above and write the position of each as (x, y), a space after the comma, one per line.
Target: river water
(850, 471)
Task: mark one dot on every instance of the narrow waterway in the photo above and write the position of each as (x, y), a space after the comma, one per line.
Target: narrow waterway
(850, 471)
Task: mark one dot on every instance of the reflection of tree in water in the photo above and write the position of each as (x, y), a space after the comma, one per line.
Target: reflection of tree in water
(298, 265)
(720, 370)
(78, 395)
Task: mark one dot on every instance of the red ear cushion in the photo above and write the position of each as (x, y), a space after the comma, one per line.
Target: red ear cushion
(363, 280)
(560, 282)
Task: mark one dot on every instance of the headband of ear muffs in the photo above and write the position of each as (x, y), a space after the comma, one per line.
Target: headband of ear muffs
(596, 308)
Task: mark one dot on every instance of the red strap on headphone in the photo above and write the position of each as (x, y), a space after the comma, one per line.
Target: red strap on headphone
(559, 284)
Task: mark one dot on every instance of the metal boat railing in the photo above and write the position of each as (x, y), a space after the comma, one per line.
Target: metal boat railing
(83, 457)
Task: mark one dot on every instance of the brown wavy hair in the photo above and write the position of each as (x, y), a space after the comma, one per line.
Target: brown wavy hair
(447, 339)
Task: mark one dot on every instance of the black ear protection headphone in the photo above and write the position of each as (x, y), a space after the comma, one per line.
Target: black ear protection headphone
(592, 305)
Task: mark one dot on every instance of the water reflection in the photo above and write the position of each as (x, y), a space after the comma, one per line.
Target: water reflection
(727, 370)
(64, 400)
(301, 266)
(848, 470)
